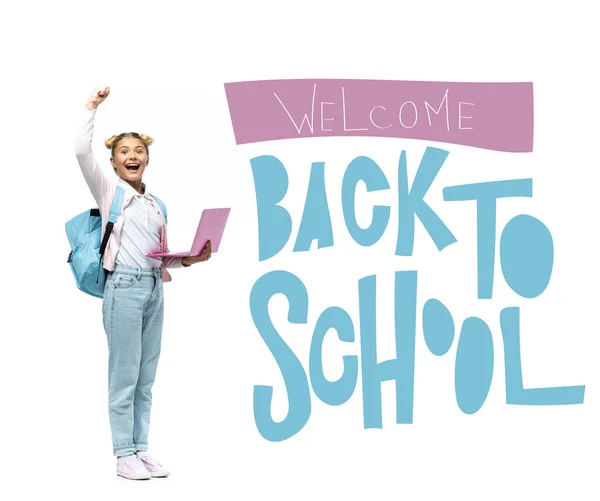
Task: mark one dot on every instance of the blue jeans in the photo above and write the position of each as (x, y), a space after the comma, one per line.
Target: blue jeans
(132, 310)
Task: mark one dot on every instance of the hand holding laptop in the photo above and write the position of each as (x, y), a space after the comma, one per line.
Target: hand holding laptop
(207, 240)
(204, 256)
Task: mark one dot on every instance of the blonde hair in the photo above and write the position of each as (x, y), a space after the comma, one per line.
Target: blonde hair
(112, 142)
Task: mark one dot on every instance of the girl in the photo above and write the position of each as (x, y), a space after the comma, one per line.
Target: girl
(133, 301)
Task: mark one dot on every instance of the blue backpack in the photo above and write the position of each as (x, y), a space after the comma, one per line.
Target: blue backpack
(87, 251)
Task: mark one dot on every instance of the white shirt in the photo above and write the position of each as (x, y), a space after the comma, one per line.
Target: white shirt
(142, 224)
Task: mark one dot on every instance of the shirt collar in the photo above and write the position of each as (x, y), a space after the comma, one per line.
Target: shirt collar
(129, 189)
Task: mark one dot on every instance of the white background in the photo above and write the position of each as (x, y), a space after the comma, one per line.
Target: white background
(166, 64)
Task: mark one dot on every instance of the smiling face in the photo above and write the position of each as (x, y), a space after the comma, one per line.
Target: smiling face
(130, 158)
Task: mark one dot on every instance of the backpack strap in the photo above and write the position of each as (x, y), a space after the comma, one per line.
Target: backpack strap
(162, 206)
(115, 211)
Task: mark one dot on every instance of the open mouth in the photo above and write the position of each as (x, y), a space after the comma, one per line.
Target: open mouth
(132, 167)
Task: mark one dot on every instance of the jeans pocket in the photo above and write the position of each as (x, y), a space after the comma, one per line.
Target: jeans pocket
(123, 281)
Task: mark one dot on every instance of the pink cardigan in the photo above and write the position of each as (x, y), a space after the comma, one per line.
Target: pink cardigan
(103, 190)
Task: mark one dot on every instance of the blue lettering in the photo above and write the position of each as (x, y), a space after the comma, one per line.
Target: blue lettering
(296, 383)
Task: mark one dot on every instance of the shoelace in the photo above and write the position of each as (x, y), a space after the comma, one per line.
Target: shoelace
(145, 460)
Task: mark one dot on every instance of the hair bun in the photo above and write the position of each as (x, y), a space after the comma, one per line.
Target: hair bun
(147, 139)
(109, 142)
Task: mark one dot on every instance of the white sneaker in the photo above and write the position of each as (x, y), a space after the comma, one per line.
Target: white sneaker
(153, 467)
(132, 468)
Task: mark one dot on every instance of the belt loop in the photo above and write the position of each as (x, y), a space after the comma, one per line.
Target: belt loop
(139, 274)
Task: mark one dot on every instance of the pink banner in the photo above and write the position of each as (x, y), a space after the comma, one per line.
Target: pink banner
(494, 116)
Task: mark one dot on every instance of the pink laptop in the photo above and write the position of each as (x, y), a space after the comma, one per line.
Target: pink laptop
(211, 227)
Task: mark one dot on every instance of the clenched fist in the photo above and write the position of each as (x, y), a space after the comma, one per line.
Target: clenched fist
(98, 95)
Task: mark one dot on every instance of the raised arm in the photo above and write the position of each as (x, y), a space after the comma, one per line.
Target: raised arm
(96, 180)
